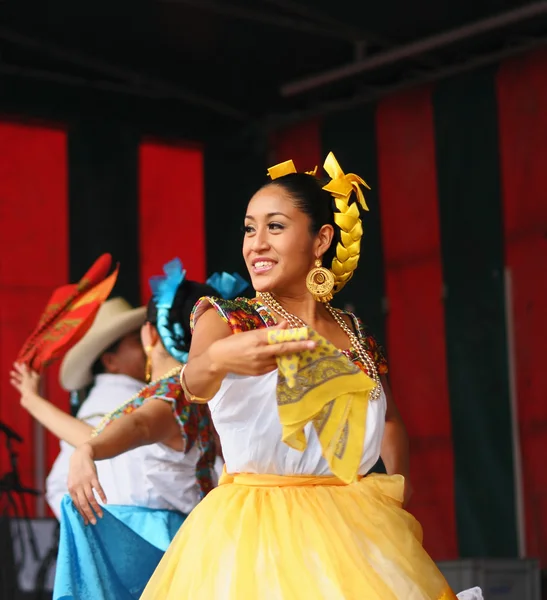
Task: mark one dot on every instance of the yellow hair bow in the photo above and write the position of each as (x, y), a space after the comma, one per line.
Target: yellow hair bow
(286, 168)
(341, 185)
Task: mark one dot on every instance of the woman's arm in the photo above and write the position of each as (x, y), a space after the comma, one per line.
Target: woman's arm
(153, 422)
(202, 374)
(215, 352)
(149, 424)
(61, 424)
(395, 447)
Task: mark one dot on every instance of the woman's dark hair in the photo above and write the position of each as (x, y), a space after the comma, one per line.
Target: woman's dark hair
(188, 293)
(309, 196)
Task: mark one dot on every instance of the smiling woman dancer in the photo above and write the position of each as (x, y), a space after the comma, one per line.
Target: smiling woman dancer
(303, 410)
(298, 396)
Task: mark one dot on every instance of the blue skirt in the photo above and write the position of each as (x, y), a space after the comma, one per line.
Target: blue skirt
(116, 557)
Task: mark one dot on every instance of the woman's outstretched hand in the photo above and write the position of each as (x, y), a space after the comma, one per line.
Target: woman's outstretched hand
(25, 381)
(82, 480)
(249, 353)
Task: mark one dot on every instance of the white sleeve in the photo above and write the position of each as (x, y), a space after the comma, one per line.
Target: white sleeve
(472, 594)
(56, 482)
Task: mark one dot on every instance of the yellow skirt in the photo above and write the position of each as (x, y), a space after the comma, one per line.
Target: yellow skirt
(266, 537)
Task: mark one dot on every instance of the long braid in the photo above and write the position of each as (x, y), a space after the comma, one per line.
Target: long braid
(349, 233)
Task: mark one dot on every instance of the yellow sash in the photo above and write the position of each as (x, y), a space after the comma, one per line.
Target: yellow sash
(324, 387)
(268, 480)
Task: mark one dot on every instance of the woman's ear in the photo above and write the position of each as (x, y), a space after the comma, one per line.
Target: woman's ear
(149, 335)
(323, 240)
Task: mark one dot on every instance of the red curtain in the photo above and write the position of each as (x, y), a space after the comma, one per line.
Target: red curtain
(522, 101)
(300, 143)
(171, 207)
(415, 323)
(34, 260)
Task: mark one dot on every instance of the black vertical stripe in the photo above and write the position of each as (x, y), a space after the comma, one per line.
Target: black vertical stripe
(103, 200)
(473, 267)
(232, 175)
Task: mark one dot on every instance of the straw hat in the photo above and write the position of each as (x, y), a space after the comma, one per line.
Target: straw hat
(115, 319)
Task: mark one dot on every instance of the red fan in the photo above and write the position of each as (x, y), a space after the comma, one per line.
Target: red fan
(68, 315)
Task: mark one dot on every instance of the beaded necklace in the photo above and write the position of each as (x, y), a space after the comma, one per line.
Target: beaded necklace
(355, 343)
(171, 373)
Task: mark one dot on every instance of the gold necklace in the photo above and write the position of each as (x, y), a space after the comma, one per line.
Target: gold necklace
(171, 373)
(356, 345)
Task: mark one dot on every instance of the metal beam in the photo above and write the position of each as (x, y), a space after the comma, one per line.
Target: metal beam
(414, 49)
(274, 122)
(76, 81)
(127, 76)
(223, 7)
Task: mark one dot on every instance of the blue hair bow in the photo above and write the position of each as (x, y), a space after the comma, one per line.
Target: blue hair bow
(228, 286)
(164, 289)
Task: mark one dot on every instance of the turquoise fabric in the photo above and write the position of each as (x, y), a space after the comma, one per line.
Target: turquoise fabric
(116, 557)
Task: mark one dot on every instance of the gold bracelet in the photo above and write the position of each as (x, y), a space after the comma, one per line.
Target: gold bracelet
(188, 394)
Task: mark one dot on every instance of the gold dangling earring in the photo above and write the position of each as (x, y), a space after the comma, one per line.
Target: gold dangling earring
(320, 283)
(148, 366)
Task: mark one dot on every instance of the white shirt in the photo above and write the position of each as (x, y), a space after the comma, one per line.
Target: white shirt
(109, 392)
(153, 476)
(246, 418)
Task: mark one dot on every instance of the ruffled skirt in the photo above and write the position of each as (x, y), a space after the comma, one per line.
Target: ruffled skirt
(116, 557)
(286, 538)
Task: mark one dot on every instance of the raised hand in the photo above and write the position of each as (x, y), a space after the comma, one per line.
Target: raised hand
(249, 353)
(25, 381)
(82, 480)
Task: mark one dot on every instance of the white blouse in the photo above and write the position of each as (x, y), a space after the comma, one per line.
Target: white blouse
(245, 415)
(153, 476)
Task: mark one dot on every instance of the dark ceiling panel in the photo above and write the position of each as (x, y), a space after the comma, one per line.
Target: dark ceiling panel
(239, 53)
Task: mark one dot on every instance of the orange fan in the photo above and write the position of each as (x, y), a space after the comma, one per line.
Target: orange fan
(68, 315)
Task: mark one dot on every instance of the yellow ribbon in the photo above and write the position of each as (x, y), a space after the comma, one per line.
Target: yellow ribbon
(341, 185)
(282, 169)
(324, 387)
(286, 168)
